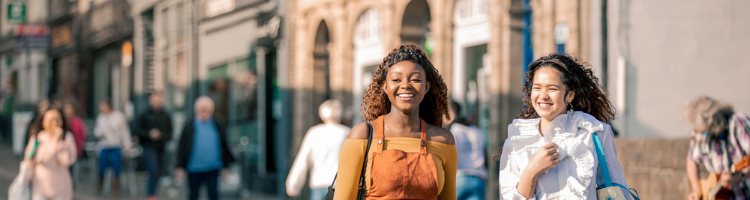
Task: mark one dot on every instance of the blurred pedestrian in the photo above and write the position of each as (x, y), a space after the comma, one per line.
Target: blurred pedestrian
(471, 173)
(319, 153)
(76, 127)
(720, 138)
(154, 131)
(36, 118)
(411, 155)
(550, 151)
(203, 152)
(113, 133)
(54, 154)
(57, 104)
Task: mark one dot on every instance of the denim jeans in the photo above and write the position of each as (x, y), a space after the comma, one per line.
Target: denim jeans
(110, 157)
(318, 193)
(211, 178)
(153, 159)
(469, 188)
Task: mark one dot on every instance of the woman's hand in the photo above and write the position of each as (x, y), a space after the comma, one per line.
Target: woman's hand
(544, 159)
(56, 132)
(179, 174)
(29, 163)
(695, 195)
(728, 180)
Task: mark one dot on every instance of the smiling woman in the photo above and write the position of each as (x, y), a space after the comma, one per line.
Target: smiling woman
(411, 156)
(550, 153)
(378, 101)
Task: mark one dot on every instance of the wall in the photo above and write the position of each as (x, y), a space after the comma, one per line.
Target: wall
(664, 53)
(659, 175)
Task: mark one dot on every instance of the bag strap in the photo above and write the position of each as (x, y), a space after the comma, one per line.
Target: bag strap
(364, 164)
(635, 195)
(605, 169)
(32, 154)
(602, 161)
(367, 152)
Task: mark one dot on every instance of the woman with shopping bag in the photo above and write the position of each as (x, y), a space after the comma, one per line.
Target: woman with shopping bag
(560, 147)
(50, 153)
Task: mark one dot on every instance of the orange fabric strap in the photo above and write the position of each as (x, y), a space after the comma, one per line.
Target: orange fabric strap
(380, 134)
(423, 138)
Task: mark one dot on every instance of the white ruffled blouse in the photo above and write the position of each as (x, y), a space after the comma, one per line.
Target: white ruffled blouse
(572, 178)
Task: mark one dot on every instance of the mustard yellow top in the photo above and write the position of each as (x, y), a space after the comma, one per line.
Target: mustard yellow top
(352, 153)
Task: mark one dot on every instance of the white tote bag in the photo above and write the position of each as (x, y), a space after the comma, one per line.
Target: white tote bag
(20, 188)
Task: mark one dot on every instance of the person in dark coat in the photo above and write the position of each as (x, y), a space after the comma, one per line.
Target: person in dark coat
(154, 130)
(203, 151)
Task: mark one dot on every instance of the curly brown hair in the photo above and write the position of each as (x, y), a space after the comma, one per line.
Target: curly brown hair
(590, 96)
(435, 103)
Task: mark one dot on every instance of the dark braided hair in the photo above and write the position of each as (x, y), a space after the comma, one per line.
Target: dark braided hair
(435, 103)
(590, 96)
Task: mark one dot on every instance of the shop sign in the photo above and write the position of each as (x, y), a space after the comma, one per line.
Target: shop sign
(127, 54)
(271, 28)
(17, 12)
(31, 30)
(32, 36)
(107, 22)
(61, 37)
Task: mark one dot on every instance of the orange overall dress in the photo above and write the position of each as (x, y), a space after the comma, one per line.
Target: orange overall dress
(396, 174)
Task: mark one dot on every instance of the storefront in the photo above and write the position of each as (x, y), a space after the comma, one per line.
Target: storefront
(241, 68)
(109, 27)
(65, 82)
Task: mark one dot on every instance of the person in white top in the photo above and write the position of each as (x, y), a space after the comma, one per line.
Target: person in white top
(319, 153)
(113, 132)
(550, 153)
(471, 173)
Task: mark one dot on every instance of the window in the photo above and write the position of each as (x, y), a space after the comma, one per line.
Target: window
(369, 27)
(470, 10)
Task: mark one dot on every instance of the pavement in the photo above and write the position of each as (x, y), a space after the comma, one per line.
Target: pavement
(133, 183)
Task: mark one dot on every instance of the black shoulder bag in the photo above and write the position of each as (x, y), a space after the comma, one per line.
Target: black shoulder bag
(361, 188)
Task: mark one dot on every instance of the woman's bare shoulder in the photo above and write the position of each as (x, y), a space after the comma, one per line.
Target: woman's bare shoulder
(440, 134)
(359, 131)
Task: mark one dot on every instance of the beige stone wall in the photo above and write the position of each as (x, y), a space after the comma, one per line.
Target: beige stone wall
(548, 13)
(661, 55)
(656, 167)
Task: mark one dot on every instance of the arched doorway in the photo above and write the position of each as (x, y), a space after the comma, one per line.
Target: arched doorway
(321, 71)
(415, 24)
(368, 53)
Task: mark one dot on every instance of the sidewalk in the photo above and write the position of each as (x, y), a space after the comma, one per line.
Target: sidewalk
(86, 185)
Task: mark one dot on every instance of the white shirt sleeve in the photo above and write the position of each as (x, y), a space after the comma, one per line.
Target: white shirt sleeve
(510, 175)
(127, 142)
(99, 128)
(616, 172)
(297, 175)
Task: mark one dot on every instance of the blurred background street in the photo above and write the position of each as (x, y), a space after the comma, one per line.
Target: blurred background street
(85, 186)
(269, 64)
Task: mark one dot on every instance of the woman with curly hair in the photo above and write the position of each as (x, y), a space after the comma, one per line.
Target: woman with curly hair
(410, 156)
(720, 138)
(550, 151)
